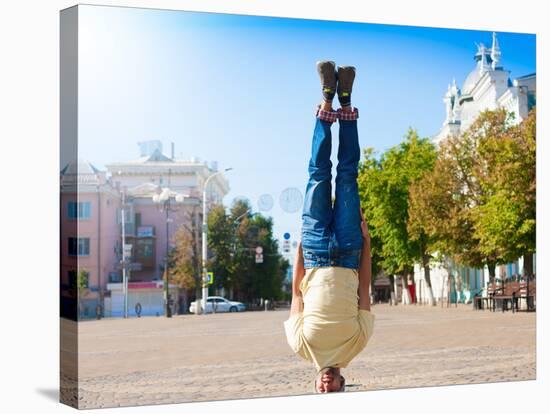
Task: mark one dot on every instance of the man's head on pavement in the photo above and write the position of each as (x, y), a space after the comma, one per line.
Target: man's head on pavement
(329, 380)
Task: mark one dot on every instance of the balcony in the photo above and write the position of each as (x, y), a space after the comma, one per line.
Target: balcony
(143, 250)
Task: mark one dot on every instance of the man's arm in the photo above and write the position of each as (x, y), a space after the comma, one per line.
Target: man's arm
(365, 268)
(297, 304)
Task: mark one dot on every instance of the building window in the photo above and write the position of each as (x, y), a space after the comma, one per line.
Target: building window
(79, 210)
(79, 246)
(144, 248)
(144, 252)
(128, 216)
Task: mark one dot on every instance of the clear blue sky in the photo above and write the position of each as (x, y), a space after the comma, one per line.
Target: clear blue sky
(242, 90)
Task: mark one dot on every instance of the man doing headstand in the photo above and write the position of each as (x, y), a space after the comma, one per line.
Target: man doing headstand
(330, 320)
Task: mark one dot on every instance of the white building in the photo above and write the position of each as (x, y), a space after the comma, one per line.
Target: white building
(488, 86)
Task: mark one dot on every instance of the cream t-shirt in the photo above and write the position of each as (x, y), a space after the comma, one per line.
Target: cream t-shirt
(332, 329)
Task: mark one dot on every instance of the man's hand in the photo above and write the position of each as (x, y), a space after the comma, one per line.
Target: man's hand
(297, 304)
(365, 267)
(364, 228)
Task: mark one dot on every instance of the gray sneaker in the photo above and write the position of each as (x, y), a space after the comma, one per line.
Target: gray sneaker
(346, 76)
(327, 73)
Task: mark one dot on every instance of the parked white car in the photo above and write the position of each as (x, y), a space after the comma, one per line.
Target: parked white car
(219, 304)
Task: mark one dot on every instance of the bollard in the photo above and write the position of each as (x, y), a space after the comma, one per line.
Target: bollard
(138, 309)
(98, 311)
(266, 305)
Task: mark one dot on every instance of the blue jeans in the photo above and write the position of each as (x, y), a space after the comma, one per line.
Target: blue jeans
(332, 236)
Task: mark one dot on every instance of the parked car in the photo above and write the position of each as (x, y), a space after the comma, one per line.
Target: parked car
(219, 304)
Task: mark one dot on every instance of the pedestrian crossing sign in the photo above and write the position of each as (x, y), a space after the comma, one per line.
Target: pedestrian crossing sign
(210, 277)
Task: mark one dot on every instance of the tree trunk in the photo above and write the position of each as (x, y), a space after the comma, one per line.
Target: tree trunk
(405, 295)
(428, 280)
(393, 299)
(184, 301)
(492, 271)
(528, 264)
(372, 290)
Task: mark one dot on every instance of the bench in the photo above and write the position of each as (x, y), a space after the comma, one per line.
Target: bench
(479, 301)
(527, 290)
(506, 295)
(489, 300)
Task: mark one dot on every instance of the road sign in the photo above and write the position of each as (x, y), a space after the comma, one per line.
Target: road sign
(259, 258)
(210, 277)
(259, 250)
(286, 246)
(145, 231)
(286, 236)
(136, 267)
(127, 251)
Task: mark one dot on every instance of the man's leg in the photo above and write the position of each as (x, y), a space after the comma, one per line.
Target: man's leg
(317, 212)
(347, 217)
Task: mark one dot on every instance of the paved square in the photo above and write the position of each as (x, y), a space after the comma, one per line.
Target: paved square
(245, 355)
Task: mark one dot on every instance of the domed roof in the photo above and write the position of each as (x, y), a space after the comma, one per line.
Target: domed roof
(471, 81)
(483, 63)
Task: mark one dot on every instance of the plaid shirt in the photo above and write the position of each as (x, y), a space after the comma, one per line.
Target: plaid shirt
(329, 116)
(332, 116)
(348, 116)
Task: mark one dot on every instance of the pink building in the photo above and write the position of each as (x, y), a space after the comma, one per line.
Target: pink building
(91, 231)
(89, 234)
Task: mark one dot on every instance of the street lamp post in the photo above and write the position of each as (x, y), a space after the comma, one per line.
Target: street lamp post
(124, 255)
(167, 309)
(205, 241)
(235, 224)
(163, 200)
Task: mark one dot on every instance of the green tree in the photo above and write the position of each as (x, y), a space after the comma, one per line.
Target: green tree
(506, 220)
(370, 186)
(233, 239)
(473, 169)
(220, 247)
(82, 287)
(182, 264)
(463, 203)
(384, 190)
(182, 271)
(184, 261)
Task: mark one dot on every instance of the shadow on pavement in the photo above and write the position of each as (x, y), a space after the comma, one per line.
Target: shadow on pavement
(50, 393)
